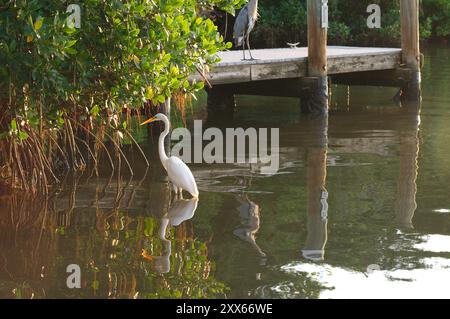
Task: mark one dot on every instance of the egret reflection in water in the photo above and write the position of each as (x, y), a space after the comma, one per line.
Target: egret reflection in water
(180, 211)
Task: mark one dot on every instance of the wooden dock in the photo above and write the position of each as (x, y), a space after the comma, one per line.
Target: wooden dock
(275, 64)
(284, 72)
(306, 72)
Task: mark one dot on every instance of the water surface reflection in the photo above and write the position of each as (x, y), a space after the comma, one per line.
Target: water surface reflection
(367, 186)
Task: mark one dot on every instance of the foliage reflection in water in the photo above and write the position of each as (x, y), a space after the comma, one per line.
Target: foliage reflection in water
(122, 253)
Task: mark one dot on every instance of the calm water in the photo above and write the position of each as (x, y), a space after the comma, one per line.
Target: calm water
(383, 231)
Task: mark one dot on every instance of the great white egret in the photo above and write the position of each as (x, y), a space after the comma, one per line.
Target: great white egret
(178, 172)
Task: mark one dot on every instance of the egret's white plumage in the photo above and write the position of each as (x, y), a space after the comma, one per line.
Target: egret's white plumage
(178, 172)
(181, 176)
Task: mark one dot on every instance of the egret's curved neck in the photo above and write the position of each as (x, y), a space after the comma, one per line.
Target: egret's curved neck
(162, 152)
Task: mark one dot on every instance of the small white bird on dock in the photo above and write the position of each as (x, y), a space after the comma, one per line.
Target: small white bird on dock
(293, 45)
(178, 172)
(244, 24)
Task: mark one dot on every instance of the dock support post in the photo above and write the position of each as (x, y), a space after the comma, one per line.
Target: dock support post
(220, 101)
(315, 86)
(409, 11)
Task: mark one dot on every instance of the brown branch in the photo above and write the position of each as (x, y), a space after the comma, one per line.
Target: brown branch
(99, 141)
(139, 148)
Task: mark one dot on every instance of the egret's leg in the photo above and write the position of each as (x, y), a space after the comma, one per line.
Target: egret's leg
(248, 46)
(180, 190)
(175, 190)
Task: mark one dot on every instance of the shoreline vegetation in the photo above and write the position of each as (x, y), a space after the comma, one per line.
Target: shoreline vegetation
(67, 94)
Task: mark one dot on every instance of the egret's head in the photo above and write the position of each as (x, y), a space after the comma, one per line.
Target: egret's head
(157, 117)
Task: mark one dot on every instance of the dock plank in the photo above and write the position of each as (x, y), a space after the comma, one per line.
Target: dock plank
(287, 63)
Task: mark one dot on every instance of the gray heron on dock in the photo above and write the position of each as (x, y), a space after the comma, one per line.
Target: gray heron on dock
(244, 24)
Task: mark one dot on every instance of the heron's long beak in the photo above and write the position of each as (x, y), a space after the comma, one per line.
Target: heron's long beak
(152, 119)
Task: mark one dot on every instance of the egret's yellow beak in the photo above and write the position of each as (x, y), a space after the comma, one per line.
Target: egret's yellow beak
(152, 119)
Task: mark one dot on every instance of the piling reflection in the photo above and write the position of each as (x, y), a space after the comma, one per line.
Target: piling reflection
(317, 210)
(405, 204)
(372, 157)
(406, 134)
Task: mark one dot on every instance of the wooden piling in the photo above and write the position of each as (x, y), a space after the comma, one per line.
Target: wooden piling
(221, 103)
(315, 86)
(411, 57)
(317, 40)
